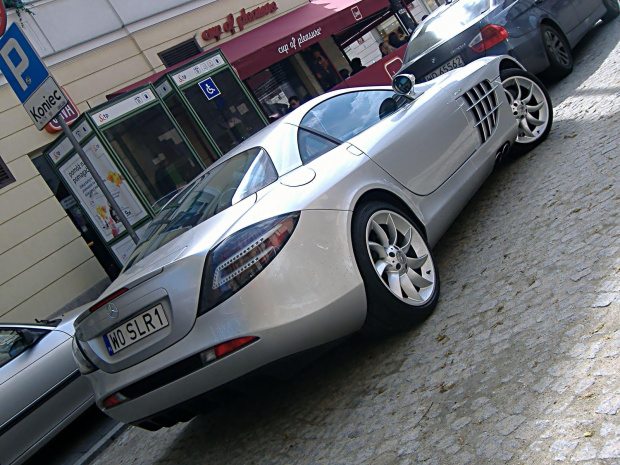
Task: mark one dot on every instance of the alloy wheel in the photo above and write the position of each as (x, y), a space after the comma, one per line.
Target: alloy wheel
(400, 257)
(529, 106)
(556, 47)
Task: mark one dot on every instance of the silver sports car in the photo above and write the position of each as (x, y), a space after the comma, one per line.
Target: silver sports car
(41, 390)
(319, 226)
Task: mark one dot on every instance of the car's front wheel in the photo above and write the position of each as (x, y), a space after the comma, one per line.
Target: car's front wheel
(531, 106)
(400, 277)
(613, 9)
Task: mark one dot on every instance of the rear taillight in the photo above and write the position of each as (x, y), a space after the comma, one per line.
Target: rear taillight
(225, 348)
(108, 299)
(114, 400)
(490, 36)
(238, 259)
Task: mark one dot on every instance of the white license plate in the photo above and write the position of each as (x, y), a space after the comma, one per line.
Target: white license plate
(135, 329)
(456, 62)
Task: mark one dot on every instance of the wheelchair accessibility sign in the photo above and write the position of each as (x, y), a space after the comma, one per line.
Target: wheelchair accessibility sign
(209, 88)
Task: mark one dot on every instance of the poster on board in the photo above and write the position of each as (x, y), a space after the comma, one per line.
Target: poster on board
(85, 189)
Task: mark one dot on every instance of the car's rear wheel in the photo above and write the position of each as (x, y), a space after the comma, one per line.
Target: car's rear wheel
(400, 277)
(531, 106)
(558, 51)
(613, 9)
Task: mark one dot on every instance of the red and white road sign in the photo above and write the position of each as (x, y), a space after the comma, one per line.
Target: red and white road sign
(70, 113)
(2, 18)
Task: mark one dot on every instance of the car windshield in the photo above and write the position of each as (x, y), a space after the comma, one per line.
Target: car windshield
(211, 193)
(443, 25)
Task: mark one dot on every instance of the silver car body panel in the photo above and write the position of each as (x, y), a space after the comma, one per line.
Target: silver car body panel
(312, 292)
(41, 392)
(288, 315)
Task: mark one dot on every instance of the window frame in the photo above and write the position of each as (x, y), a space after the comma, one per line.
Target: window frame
(5, 168)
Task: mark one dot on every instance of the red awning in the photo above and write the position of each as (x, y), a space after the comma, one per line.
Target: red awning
(286, 35)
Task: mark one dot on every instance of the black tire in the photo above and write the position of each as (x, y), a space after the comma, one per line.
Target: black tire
(524, 109)
(613, 10)
(388, 313)
(558, 52)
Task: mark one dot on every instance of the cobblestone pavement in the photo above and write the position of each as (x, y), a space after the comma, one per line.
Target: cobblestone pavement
(518, 364)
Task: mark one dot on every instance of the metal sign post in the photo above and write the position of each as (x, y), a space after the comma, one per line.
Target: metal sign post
(113, 204)
(43, 99)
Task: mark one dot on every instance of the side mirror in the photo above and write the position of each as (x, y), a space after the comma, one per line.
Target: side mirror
(403, 84)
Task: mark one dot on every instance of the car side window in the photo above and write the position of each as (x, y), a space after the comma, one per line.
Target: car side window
(15, 342)
(346, 115)
(312, 145)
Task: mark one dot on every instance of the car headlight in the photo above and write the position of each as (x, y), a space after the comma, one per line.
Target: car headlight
(238, 259)
(84, 365)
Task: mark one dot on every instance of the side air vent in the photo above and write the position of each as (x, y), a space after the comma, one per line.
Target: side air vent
(482, 103)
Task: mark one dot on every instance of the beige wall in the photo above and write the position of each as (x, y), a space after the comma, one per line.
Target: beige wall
(44, 262)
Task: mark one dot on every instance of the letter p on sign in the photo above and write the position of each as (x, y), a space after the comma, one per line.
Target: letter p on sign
(20, 63)
(16, 61)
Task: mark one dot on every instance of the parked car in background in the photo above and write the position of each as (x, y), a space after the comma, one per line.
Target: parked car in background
(539, 33)
(41, 390)
(318, 226)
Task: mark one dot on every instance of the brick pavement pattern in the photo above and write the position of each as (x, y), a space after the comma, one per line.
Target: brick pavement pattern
(519, 362)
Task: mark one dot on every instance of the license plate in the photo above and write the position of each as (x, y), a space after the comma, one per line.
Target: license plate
(456, 62)
(135, 329)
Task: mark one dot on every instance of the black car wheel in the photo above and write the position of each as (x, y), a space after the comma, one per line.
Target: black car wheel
(558, 51)
(400, 277)
(613, 9)
(531, 106)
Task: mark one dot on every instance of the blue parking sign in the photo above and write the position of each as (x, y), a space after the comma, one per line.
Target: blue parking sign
(20, 64)
(209, 88)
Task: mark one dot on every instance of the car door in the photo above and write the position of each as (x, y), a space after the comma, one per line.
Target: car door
(585, 9)
(39, 387)
(421, 144)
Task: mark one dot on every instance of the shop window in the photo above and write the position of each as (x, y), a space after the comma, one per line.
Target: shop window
(77, 216)
(274, 86)
(154, 152)
(6, 177)
(230, 118)
(181, 52)
(190, 128)
(322, 69)
(376, 41)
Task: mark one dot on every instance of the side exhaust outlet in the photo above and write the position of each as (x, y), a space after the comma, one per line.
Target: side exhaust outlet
(502, 153)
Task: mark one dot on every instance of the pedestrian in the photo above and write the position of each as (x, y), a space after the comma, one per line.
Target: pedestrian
(356, 65)
(293, 102)
(385, 49)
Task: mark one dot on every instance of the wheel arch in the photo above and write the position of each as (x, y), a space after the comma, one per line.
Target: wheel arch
(509, 62)
(547, 21)
(383, 195)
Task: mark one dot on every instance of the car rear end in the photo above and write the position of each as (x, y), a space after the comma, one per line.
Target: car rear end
(454, 36)
(221, 299)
